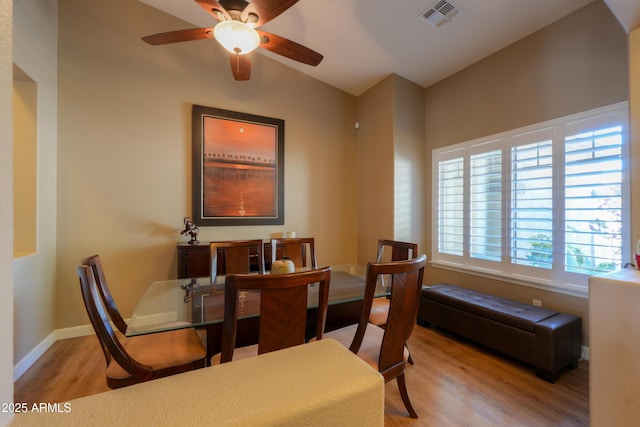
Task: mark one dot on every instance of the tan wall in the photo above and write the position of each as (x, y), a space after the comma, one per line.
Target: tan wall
(124, 180)
(575, 64)
(390, 180)
(408, 146)
(25, 154)
(6, 208)
(375, 168)
(35, 53)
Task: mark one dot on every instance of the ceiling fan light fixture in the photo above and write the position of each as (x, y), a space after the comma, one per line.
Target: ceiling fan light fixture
(237, 37)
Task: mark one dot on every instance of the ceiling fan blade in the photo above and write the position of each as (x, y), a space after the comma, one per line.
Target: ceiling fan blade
(179, 36)
(215, 9)
(288, 48)
(264, 10)
(240, 67)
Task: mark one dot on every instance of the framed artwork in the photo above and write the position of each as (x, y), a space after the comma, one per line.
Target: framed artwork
(238, 168)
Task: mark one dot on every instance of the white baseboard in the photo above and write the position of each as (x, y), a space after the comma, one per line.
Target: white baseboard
(73, 332)
(585, 353)
(58, 334)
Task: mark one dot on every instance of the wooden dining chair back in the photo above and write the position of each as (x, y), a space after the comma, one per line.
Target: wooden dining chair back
(143, 358)
(385, 349)
(392, 250)
(237, 255)
(296, 249)
(283, 309)
(400, 251)
(103, 288)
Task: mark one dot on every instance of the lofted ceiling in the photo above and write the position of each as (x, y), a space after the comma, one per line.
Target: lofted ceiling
(364, 41)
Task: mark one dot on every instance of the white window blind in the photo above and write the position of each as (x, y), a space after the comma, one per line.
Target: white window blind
(451, 206)
(485, 228)
(545, 205)
(593, 201)
(532, 204)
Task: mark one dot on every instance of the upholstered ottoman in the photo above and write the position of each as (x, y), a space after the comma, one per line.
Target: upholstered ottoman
(546, 339)
(320, 383)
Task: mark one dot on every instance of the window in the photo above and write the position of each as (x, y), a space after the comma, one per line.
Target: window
(545, 205)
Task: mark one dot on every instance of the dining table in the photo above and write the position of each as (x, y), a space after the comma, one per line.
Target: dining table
(199, 303)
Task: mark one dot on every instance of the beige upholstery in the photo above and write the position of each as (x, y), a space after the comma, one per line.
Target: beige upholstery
(379, 311)
(159, 351)
(320, 383)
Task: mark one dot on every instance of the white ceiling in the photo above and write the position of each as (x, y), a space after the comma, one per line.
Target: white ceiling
(364, 41)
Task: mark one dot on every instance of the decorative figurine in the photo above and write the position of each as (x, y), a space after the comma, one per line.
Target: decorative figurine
(189, 289)
(192, 230)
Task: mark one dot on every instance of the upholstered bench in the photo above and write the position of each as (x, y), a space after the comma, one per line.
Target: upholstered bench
(546, 339)
(320, 383)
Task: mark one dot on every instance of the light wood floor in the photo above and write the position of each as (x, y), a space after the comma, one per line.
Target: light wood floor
(453, 383)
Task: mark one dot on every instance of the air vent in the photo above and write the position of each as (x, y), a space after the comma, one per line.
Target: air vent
(440, 13)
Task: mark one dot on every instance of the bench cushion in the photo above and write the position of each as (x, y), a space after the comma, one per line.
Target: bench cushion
(320, 383)
(512, 313)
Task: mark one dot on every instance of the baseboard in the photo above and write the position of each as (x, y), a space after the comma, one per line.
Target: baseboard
(585, 353)
(59, 334)
(73, 332)
(31, 357)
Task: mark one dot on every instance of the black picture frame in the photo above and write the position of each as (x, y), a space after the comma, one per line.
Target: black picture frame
(237, 168)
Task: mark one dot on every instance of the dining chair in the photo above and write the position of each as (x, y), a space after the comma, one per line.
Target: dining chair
(296, 249)
(385, 349)
(236, 256)
(396, 251)
(107, 299)
(103, 288)
(283, 306)
(132, 360)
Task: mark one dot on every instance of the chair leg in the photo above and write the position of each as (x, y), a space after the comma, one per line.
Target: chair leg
(402, 386)
(410, 359)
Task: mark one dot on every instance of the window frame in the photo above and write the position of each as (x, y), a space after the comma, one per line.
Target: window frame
(556, 279)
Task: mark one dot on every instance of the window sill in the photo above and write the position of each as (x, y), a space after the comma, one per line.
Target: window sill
(579, 291)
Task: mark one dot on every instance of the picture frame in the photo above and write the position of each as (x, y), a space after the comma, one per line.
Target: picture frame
(237, 168)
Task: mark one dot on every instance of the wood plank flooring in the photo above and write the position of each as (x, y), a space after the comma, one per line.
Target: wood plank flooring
(453, 383)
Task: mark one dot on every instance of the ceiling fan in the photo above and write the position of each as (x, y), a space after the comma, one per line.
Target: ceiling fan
(236, 32)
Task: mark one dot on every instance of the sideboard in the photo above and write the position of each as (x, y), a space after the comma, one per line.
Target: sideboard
(194, 260)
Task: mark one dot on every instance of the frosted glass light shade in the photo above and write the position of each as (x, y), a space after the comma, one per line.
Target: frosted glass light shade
(236, 37)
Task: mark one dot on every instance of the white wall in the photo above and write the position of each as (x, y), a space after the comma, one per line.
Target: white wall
(6, 208)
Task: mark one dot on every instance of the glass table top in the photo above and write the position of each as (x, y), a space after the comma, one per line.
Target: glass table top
(181, 303)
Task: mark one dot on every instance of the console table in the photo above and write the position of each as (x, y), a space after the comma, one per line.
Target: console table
(194, 260)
